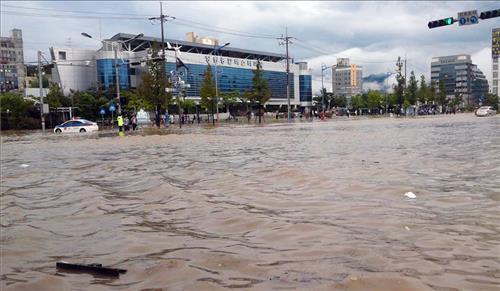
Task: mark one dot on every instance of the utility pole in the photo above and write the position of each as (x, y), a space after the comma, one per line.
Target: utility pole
(399, 65)
(286, 40)
(405, 71)
(162, 19)
(42, 117)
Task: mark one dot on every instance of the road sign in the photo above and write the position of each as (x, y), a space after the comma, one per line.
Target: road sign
(467, 17)
(102, 112)
(112, 108)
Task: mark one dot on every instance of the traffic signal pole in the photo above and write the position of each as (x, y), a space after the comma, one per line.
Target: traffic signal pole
(467, 20)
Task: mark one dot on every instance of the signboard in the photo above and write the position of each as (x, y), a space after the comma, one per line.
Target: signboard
(102, 112)
(468, 17)
(495, 43)
(112, 108)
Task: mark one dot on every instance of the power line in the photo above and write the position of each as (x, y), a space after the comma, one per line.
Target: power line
(70, 16)
(180, 21)
(72, 11)
(220, 30)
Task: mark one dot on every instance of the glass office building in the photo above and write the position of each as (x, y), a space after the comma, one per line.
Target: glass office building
(460, 77)
(81, 69)
(232, 67)
(106, 73)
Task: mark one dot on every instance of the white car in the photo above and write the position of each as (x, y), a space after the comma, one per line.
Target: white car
(76, 125)
(485, 111)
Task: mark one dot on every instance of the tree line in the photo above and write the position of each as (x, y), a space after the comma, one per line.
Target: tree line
(415, 92)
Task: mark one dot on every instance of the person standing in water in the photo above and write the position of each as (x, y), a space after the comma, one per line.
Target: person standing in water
(119, 119)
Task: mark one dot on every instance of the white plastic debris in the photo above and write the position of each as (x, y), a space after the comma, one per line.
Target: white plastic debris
(24, 165)
(410, 195)
(407, 228)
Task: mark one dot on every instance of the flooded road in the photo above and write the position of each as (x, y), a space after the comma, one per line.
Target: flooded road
(283, 206)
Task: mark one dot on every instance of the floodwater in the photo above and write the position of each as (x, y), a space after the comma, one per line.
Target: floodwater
(311, 205)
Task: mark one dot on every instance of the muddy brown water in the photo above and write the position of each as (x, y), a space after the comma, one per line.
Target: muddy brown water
(302, 206)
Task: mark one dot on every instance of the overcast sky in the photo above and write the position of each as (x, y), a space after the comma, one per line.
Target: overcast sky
(372, 34)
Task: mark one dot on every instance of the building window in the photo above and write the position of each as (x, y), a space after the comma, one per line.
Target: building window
(62, 55)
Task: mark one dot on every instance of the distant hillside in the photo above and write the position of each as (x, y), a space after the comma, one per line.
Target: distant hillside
(375, 82)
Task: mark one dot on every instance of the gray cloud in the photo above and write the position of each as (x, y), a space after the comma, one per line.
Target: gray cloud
(368, 32)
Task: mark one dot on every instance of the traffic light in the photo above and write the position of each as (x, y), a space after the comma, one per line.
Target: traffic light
(441, 22)
(490, 14)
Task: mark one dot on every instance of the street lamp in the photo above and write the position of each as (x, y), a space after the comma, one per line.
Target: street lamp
(323, 68)
(216, 50)
(115, 48)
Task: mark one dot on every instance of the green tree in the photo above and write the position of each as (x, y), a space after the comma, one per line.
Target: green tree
(55, 97)
(441, 96)
(423, 91)
(134, 102)
(432, 93)
(340, 101)
(187, 105)
(374, 99)
(392, 99)
(230, 98)
(324, 99)
(207, 91)
(243, 98)
(399, 89)
(154, 85)
(260, 92)
(357, 102)
(411, 91)
(88, 104)
(36, 84)
(491, 100)
(457, 100)
(18, 113)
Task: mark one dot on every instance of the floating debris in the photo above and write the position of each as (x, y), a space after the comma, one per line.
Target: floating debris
(410, 195)
(24, 165)
(90, 268)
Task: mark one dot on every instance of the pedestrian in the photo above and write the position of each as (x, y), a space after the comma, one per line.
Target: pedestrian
(119, 119)
(167, 119)
(126, 123)
(134, 122)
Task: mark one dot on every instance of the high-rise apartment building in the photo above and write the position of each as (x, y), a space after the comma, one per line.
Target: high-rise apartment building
(461, 78)
(347, 79)
(12, 71)
(495, 51)
(193, 37)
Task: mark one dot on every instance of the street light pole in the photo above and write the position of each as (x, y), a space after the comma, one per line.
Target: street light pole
(117, 73)
(323, 68)
(216, 50)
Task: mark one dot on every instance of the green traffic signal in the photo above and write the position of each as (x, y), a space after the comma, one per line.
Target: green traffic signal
(441, 22)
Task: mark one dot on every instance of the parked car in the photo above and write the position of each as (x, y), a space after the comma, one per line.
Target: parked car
(76, 125)
(485, 111)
